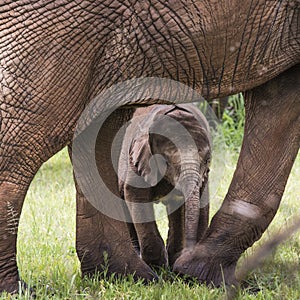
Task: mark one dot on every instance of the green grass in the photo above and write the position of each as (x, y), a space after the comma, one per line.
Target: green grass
(233, 122)
(48, 261)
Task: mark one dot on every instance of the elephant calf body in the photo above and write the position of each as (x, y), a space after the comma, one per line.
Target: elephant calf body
(166, 151)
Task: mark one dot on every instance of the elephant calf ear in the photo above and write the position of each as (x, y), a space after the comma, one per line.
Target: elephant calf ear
(139, 154)
(140, 157)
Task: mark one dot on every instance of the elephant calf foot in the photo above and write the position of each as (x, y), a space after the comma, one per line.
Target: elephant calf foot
(140, 270)
(208, 269)
(154, 253)
(155, 260)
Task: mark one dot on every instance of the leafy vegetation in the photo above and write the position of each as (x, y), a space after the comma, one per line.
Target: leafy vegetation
(233, 122)
(46, 243)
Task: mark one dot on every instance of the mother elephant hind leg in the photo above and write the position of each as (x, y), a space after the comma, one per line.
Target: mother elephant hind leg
(21, 155)
(12, 194)
(101, 241)
(270, 146)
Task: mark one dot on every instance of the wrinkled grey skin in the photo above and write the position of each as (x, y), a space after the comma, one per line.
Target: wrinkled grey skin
(186, 168)
(56, 56)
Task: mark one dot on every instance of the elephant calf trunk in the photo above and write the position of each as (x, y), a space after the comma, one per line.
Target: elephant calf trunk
(191, 192)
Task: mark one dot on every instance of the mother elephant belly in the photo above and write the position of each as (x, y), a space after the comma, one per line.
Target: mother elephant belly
(218, 48)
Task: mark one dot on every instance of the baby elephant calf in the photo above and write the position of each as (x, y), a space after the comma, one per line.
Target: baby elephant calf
(166, 152)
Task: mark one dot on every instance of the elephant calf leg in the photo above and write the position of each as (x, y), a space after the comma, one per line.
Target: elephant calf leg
(270, 146)
(151, 244)
(176, 233)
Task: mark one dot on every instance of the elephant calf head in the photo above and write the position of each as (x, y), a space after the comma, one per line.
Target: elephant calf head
(166, 152)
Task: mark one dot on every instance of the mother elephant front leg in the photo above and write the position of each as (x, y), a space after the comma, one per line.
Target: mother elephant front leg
(270, 146)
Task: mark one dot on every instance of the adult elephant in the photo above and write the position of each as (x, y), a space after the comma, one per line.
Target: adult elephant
(57, 55)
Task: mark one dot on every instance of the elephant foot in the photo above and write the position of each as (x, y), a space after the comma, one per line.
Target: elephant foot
(154, 253)
(155, 258)
(210, 269)
(115, 262)
(141, 270)
(12, 286)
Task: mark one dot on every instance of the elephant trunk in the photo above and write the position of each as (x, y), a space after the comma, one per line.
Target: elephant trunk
(190, 183)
